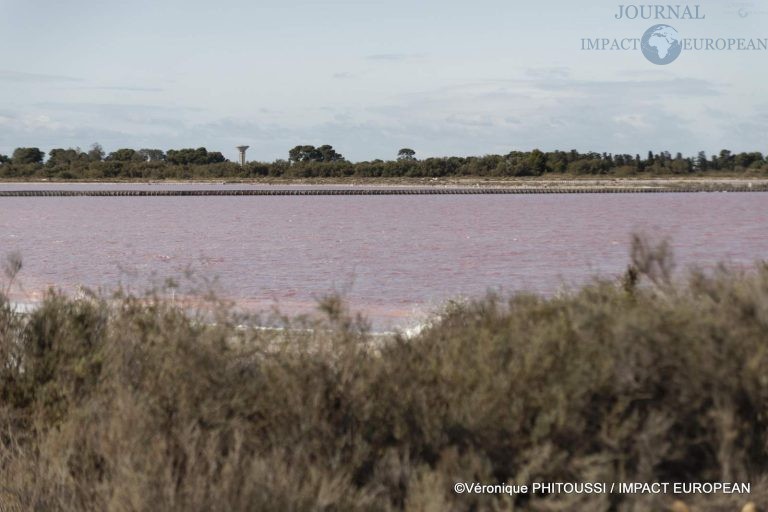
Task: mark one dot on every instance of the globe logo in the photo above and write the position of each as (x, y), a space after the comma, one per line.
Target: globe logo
(661, 44)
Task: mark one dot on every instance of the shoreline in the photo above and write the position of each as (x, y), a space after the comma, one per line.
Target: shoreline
(391, 191)
(566, 182)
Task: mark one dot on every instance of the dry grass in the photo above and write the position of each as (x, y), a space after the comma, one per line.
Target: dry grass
(131, 405)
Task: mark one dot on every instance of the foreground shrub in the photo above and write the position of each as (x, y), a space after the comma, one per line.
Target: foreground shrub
(128, 404)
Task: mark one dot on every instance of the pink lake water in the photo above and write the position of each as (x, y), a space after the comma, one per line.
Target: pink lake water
(395, 258)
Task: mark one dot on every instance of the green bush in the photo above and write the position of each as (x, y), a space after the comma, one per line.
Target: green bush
(128, 403)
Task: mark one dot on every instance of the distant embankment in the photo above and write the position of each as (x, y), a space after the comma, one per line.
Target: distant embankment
(383, 191)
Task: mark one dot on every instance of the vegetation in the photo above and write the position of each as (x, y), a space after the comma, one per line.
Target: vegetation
(199, 156)
(306, 161)
(131, 404)
(325, 153)
(407, 154)
(23, 156)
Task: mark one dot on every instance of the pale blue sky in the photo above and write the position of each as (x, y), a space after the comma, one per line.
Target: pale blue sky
(369, 77)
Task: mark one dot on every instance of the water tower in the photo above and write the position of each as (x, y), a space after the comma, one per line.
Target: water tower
(242, 149)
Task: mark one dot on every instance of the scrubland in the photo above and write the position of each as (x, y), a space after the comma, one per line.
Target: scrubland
(125, 403)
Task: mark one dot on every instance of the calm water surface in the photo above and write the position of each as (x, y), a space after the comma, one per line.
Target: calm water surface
(395, 258)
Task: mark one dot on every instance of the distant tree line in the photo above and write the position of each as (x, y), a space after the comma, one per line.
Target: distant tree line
(307, 161)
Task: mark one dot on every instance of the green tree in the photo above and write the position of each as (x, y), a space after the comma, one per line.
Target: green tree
(65, 157)
(681, 165)
(96, 153)
(4, 159)
(125, 155)
(702, 164)
(215, 157)
(406, 154)
(189, 156)
(27, 156)
(328, 154)
(537, 162)
(747, 159)
(308, 153)
(725, 160)
(302, 153)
